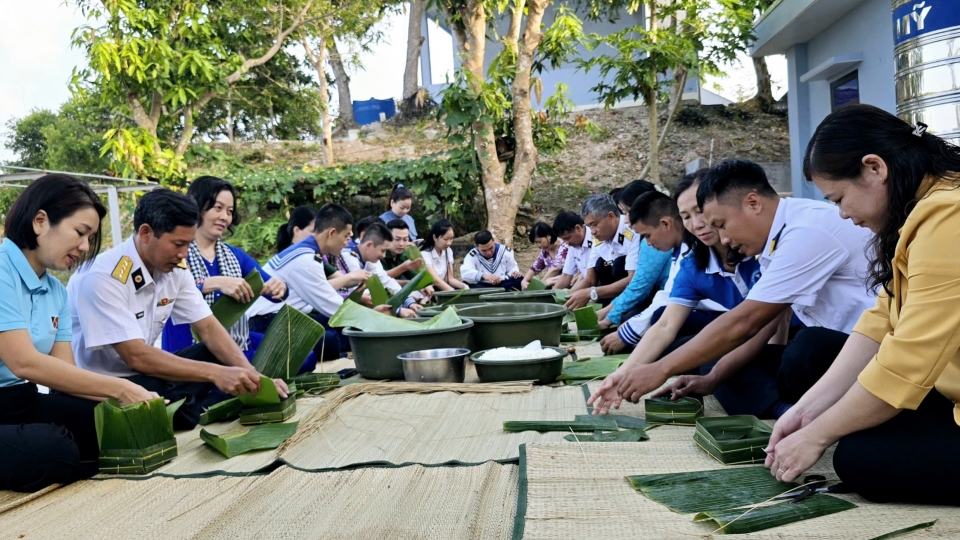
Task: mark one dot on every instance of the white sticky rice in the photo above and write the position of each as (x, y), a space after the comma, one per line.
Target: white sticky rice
(515, 353)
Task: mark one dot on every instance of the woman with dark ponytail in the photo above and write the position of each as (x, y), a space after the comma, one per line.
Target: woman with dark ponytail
(297, 228)
(401, 201)
(890, 398)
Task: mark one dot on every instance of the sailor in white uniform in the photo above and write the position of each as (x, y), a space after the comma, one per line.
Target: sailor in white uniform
(490, 264)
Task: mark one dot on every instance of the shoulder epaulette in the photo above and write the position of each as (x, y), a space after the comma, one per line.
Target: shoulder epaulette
(121, 272)
(473, 253)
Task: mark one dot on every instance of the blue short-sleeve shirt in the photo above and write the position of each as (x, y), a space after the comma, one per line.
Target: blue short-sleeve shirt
(692, 284)
(28, 302)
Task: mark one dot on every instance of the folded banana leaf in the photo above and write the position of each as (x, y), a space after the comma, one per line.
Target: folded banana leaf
(412, 252)
(739, 521)
(627, 435)
(135, 439)
(265, 414)
(423, 279)
(592, 423)
(710, 491)
(357, 295)
(561, 295)
(733, 440)
(288, 340)
(623, 421)
(352, 315)
(597, 368)
(536, 285)
(586, 319)
(225, 410)
(239, 441)
(266, 396)
(378, 293)
(228, 311)
(683, 412)
(315, 383)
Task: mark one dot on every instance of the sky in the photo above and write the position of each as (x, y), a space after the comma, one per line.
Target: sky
(36, 61)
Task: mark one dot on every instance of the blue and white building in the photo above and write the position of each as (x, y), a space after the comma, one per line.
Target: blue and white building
(902, 56)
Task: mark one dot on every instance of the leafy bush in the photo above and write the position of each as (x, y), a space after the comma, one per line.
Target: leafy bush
(693, 116)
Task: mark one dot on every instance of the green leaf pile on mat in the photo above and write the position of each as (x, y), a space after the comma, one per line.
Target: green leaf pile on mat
(729, 497)
(315, 383)
(239, 441)
(733, 440)
(593, 369)
(288, 340)
(627, 435)
(221, 412)
(682, 411)
(353, 315)
(137, 438)
(581, 423)
(604, 428)
(267, 406)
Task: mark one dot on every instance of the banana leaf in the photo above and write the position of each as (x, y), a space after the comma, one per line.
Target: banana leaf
(586, 318)
(597, 368)
(225, 410)
(228, 311)
(710, 491)
(623, 421)
(412, 252)
(357, 295)
(536, 285)
(135, 439)
(423, 279)
(561, 295)
(288, 340)
(352, 315)
(580, 424)
(905, 530)
(239, 441)
(315, 383)
(454, 299)
(447, 319)
(740, 521)
(733, 440)
(265, 414)
(683, 411)
(378, 293)
(627, 435)
(266, 396)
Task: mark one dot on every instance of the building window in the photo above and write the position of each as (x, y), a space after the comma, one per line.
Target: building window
(845, 90)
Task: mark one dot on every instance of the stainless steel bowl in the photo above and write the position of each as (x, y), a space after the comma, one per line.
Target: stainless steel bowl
(435, 365)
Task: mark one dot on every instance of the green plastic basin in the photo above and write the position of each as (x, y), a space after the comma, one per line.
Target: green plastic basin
(469, 296)
(516, 297)
(433, 311)
(375, 353)
(514, 325)
(541, 370)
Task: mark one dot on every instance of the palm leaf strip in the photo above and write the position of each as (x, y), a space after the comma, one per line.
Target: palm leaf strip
(239, 441)
(582, 424)
(741, 521)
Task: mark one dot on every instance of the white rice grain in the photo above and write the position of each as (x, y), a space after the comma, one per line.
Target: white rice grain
(508, 353)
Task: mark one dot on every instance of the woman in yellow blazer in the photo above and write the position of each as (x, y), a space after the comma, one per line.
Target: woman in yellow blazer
(890, 397)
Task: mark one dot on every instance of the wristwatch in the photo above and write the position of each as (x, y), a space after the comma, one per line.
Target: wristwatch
(593, 294)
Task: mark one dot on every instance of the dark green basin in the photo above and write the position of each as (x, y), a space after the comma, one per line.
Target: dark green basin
(434, 310)
(375, 353)
(525, 297)
(469, 296)
(514, 325)
(541, 370)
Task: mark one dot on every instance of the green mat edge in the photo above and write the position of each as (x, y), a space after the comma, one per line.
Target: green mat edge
(520, 518)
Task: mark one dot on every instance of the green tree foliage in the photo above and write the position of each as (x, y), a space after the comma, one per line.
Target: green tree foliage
(25, 137)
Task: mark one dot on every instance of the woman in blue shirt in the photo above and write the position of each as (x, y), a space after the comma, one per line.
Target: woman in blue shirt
(219, 268)
(401, 201)
(47, 439)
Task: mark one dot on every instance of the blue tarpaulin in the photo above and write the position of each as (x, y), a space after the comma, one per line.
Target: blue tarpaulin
(368, 112)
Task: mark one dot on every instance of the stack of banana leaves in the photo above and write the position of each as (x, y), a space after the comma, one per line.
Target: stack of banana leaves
(733, 440)
(238, 441)
(736, 501)
(135, 439)
(588, 428)
(353, 315)
(588, 325)
(591, 369)
(267, 406)
(683, 411)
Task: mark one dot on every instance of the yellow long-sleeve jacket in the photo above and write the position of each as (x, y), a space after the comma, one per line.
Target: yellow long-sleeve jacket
(918, 327)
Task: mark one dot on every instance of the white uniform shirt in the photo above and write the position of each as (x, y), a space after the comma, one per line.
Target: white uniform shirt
(624, 243)
(440, 262)
(815, 261)
(502, 264)
(578, 258)
(116, 299)
(390, 284)
(301, 267)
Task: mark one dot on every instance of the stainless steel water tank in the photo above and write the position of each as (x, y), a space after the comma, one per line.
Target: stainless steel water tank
(927, 59)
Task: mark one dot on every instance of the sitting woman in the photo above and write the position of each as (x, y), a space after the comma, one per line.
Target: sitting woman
(439, 257)
(553, 253)
(890, 398)
(297, 228)
(400, 204)
(219, 268)
(48, 438)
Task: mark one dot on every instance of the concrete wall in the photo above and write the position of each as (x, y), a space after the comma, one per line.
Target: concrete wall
(866, 30)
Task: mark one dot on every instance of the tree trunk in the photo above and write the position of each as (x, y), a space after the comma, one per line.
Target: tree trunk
(650, 97)
(764, 86)
(342, 80)
(228, 131)
(316, 59)
(512, 38)
(675, 104)
(272, 124)
(414, 43)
